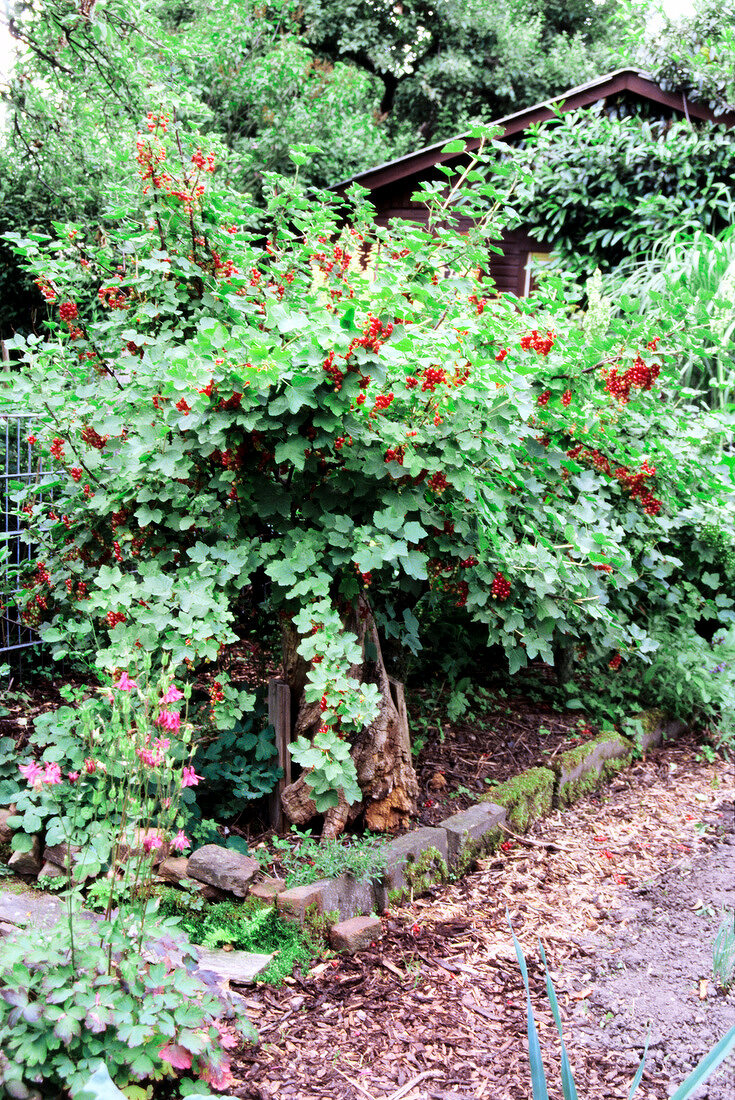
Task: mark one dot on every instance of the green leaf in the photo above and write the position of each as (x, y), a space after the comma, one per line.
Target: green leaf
(237, 844)
(707, 1066)
(99, 1086)
(569, 1089)
(457, 146)
(538, 1077)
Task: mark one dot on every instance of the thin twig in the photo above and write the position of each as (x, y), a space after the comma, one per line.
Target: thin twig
(414, 1081)
(549, 845)
(355, 1084)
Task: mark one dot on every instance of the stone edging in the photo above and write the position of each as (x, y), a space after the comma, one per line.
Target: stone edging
(426, 855)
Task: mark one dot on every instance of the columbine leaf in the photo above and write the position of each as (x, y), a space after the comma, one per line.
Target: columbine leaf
(177, 1056)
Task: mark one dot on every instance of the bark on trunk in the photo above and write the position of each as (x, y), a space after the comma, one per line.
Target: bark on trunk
(381, 752)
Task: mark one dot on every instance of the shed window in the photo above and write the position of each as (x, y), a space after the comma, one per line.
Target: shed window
(534, 260)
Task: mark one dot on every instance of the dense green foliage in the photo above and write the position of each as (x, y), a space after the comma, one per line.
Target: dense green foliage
(444, 64)
(241, 70)
(105, 794)
(244, 928)
(356, 84)
(606, 190)
(63, 1012)
(694, 52)
(691, 282)
(306, 859)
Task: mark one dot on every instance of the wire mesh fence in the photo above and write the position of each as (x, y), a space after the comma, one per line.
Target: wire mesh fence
(20, 467)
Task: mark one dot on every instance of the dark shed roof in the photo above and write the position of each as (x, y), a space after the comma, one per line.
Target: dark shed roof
(637, 84)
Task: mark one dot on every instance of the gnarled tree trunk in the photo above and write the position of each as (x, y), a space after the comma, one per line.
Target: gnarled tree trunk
(381, 752)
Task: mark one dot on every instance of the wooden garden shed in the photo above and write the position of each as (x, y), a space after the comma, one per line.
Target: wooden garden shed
(624, 92)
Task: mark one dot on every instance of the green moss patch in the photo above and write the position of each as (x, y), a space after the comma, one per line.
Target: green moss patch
(526, 797)
(245, 927)
(585, 767)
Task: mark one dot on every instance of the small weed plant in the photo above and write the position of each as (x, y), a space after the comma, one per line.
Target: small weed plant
(306, 858)
(723, 953)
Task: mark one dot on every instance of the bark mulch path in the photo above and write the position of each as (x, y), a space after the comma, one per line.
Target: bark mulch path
(436, 1011)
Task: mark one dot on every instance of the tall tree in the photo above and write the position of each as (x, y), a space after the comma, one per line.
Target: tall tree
(694, 53)
(443, 63)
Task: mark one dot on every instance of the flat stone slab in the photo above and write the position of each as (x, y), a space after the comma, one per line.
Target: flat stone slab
(233, 966)
(30, 909)
(223, 868)
(470, 827)
(342, 895)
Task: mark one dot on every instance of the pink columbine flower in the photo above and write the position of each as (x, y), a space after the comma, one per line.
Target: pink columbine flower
(51, 774)
(147, 757)
(73, 776)
(169, 720)
(173, 695)
(189, 777)
(125, 683)
(180, 842)
(162, 744)
(150, 843)
(31, 771)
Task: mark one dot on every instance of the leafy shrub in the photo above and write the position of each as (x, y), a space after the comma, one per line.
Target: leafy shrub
(291, 423)
(603, 189)
(237, 766)
(687, 675)
(76, 995)
(9, 785)
(109, 771)
(690, 281)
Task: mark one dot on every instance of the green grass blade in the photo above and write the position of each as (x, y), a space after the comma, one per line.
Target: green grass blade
(538, 1077)
(708, 1065)
(639, 1072)
(568, 1087)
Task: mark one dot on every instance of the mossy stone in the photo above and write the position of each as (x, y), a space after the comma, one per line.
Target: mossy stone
(585, 767)
(526, 797)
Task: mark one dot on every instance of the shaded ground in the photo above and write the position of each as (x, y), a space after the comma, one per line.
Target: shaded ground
(435, 1011)
(461, 760)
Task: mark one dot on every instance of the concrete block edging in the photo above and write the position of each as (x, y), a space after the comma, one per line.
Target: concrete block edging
(427, 854)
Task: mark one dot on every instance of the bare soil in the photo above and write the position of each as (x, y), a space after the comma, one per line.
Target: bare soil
(435, 1010)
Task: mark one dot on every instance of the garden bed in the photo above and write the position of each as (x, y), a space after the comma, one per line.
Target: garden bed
(458, 760)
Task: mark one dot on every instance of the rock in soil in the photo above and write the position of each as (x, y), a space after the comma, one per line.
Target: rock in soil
(223, 868)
